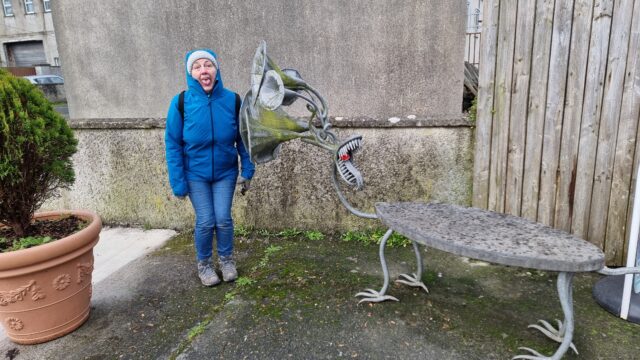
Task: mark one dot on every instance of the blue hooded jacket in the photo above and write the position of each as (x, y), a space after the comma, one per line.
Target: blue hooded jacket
(206, 144)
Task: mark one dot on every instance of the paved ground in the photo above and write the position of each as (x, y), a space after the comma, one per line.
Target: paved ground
(117, 248)
(295, 300)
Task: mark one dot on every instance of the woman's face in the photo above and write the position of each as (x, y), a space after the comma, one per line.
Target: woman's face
(204, 71)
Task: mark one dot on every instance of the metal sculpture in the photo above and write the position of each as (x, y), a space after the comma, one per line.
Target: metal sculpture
(264, 126)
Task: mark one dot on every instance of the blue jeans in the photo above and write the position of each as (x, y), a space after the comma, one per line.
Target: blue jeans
(212, 205)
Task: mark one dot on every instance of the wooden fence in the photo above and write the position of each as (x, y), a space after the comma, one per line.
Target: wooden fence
(558, 112)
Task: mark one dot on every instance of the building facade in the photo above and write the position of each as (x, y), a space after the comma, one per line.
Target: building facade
(27, 37)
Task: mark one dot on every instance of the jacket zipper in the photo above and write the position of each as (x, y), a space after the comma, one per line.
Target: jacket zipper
(213, 142)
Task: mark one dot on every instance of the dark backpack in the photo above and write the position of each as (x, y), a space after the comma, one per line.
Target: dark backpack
(181, 105)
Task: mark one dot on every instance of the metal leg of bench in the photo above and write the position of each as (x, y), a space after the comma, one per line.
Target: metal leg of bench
(414, 280)
(370, 295)
(619, 271)
(564, 333)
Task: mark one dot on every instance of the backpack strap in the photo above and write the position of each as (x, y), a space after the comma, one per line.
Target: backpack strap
(181, 104)
(238, 103)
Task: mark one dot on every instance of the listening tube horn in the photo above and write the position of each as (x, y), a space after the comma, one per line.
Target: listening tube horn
(263, 130)
(264, 125)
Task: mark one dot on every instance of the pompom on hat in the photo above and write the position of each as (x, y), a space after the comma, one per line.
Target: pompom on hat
(200, 54)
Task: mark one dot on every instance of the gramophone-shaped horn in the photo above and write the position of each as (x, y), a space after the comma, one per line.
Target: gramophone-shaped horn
(262, 64)
(263, 130)
(264, 125)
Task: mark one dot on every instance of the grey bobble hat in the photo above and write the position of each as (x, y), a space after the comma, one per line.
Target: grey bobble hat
(200, 54)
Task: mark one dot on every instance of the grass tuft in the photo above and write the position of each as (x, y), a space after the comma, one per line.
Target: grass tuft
(374, 237)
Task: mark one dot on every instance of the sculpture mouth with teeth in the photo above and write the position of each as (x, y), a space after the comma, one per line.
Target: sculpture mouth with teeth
(344, 162)
(264, 125)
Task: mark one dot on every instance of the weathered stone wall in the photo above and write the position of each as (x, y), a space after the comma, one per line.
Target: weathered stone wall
(389, 70)
(121, 174)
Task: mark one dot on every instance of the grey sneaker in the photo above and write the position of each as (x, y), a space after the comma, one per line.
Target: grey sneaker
(207, 274)
(228, 268)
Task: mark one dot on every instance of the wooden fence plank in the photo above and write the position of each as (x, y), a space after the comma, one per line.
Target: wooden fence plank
(502, 104)
(591, 112)
(484, 118)
(579, 53)
(535, 112)
(556, 86)
(618, 220)
(609, 122)
(558, 123)
(518, 114)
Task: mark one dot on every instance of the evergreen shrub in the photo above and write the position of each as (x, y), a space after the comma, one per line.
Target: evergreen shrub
(36, 146)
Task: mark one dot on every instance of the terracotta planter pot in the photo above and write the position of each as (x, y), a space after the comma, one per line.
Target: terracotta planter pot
(45, 291)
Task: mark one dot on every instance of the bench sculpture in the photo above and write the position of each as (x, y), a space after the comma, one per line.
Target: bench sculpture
(474, 233)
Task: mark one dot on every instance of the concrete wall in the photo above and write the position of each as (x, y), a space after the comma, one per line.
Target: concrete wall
(389, 70)
(375, 58)
(121, 174)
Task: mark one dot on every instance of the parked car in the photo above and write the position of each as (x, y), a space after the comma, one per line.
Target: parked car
(45, 79)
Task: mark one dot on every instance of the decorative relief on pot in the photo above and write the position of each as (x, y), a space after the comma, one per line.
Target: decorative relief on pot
(36, 294)
(62, 282)
(14, 323)
(84, 270)
(12, 296)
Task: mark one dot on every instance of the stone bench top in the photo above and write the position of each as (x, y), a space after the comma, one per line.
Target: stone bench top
(490, 236)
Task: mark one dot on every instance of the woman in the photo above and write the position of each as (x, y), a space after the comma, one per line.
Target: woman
(202, 157)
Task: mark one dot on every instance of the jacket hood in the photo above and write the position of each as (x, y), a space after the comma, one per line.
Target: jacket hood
(194, 85)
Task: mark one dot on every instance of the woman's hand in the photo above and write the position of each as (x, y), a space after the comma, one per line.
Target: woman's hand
(245, 185)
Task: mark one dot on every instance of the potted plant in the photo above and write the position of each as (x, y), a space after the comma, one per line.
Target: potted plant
(46, 259)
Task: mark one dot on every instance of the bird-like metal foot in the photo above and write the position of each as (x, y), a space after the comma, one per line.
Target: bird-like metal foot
(552, 333)
(370, 295)
(412, 280)
(536, 355)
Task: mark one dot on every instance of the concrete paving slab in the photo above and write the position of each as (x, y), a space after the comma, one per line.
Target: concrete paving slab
(119, 246)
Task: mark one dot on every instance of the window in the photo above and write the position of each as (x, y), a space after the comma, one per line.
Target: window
(28, 7)
(47, 5)
(8, 9)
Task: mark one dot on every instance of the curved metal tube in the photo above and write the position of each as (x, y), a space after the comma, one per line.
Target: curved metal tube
(416, 249)
(619, 271)
(385, 270)
(322, 135)
(317, 143)
(324, 110)
(344, 201)
(565, 292)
